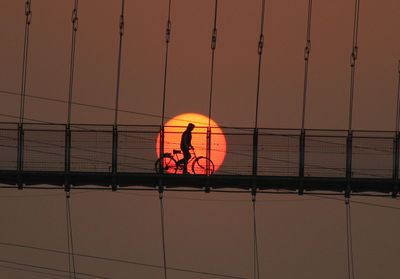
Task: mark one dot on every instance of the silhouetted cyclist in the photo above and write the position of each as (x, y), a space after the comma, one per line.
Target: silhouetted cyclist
(186, 144)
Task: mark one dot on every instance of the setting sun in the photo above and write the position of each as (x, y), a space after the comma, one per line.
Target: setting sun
(177, 125)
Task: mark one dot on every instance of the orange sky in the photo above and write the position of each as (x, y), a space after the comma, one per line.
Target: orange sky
(299, 237)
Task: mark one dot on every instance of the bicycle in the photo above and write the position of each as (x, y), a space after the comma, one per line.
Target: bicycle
(169, 163)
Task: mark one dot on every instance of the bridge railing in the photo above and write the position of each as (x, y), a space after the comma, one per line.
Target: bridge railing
(262, 152)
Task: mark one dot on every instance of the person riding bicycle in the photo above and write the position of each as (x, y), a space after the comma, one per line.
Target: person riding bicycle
(186, 145)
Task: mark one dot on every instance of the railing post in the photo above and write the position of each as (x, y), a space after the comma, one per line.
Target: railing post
(255, 161)
(255, 151)
(349, 154)
(301, 160)
(162, 141)
(395, 165)
(114, 158)
(67, 158)
(208, 155)
(20, 156)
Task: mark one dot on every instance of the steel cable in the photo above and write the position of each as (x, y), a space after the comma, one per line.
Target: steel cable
(74, 21)
(167, 40)
(213, 46)
(353, 59)
(53, 275)
(68, 238)
(349, 238)
(260, 49)
(307, 51)
(256, 271)
(116, 260)
(71, 255)
(163, 235)
(28, 15)
(398, 101)
(121, 34)
(52, 269)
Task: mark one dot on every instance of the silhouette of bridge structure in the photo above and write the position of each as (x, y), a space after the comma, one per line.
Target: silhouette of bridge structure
(257, 158)
(118, 156)
(308, 160)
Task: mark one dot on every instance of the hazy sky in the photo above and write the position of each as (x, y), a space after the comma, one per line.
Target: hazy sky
(299, 237)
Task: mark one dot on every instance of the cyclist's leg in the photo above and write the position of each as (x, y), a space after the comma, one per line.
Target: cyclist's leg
(185, 159)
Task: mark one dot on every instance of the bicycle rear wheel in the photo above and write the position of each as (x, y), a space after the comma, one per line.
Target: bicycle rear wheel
(166, 163)
(200, 166)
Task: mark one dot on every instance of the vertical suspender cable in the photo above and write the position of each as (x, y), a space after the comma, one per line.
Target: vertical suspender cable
(260, 50)
(307, 51)
(167, 40)
(68, 237)
(163, 234)
(256, 270)
(28, 14)
(20, 152)
(213, 46)
(353, 60)
(71, 256)
(398, 102)
(115, 128)
(74, 20)
(349, 237)
(396, 140)
(121, 34)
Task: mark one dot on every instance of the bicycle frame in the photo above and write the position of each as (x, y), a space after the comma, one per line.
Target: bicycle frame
(196, 164)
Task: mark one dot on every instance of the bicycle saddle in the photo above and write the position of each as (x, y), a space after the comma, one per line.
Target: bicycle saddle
(177, 151)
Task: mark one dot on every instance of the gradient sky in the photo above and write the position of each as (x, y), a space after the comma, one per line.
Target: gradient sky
(299, 237)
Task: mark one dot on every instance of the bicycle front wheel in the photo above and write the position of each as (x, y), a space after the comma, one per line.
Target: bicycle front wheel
(203, 165)
(166, 164)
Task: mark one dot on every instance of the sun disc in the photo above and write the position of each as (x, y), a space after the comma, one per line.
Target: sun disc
(176, 126)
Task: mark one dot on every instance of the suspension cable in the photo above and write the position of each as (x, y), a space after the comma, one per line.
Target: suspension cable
(71, 255)
(398, 102)
(68, 237)
(260, 49)
(74, 20)
(213, 46)
(163, 233)
(350, 262)
(167, 40)
(121, 34)
(307, 51)
(28, 15)
(256, 267)
(353, 59)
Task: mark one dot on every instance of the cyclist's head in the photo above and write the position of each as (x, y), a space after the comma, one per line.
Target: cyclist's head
(190, 127)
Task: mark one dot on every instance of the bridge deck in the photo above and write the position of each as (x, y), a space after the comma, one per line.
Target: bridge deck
(333, 184)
